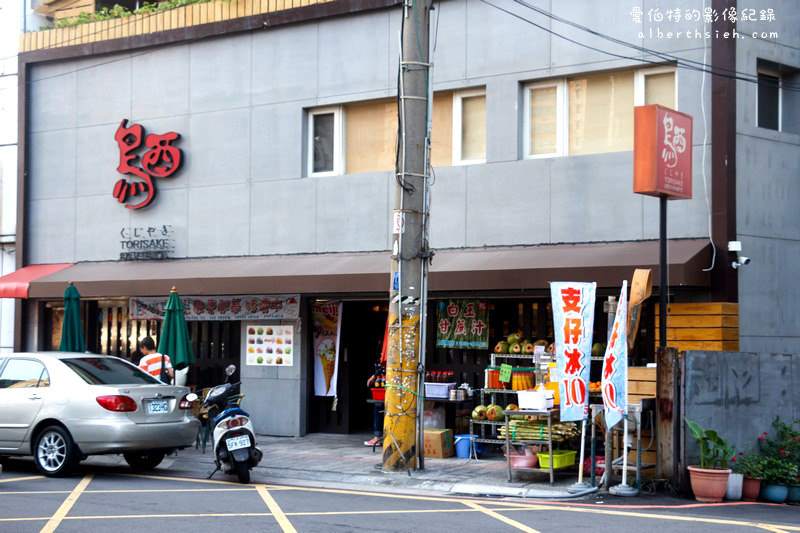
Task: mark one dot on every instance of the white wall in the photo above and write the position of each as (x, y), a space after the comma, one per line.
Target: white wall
(10, 26)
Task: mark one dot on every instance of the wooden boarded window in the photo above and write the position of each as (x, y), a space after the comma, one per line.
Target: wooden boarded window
(371, 136)
(600, 113)
(442, 130)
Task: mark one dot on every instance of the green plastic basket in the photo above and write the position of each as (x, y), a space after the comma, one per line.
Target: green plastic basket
(561, 459)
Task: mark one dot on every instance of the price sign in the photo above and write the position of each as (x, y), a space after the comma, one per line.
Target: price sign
(505, 373)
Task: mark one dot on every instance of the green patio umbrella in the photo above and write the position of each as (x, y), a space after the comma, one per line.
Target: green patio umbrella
(174, 340)
(71, 329)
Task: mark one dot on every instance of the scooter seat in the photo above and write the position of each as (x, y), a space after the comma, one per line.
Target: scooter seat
(229, 412)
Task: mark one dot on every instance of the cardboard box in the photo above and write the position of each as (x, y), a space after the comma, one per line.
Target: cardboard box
(439, 443)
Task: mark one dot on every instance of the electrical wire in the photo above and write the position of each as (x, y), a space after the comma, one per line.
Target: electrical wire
(663, 55)
(703, 163)
(794, 88)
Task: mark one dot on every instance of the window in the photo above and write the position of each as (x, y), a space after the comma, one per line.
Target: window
(544, 120)
(656, 86)
(442, 130)
(469, 127)
(601, 113)
(325, 142)
(769, 99)
(591, 114)
(24, 373)
(108, 371)
(370, 136)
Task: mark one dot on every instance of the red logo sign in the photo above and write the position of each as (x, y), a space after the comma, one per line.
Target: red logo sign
(161, 160)
(662, 152)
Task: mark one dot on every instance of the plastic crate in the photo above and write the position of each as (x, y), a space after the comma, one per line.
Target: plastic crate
(438, 390)
(379, 394)
(561, 459)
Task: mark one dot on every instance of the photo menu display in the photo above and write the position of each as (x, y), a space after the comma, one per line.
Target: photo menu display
(269, 345)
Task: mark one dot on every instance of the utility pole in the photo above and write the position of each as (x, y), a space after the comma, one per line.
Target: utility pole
(410, 254)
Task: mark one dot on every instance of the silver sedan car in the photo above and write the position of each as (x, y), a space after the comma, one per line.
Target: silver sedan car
(62, 407)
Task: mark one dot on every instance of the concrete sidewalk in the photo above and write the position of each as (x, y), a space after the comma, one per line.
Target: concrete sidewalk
(344, 459)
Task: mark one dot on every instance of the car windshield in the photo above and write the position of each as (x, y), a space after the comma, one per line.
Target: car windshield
(109, 371)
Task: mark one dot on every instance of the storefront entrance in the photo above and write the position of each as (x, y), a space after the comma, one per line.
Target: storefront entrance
(363, 325)
(109, 330)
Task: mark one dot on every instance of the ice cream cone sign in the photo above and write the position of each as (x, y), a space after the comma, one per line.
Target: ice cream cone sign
(326, 322)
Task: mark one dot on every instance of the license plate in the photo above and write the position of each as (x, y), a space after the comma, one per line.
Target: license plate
(238, 442)
(157, 407)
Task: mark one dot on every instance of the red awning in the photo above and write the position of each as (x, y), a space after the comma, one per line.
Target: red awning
(15, 285)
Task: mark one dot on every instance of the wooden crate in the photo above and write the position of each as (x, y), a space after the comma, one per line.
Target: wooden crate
(710, 326)
(641, 383)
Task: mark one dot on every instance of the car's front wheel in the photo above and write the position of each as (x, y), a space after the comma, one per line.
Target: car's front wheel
(143, 461)
(55, 454)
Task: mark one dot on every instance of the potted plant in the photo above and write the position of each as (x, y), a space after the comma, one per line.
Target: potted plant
(783, 452)
(779, 473)
(710, 478)
(735, 481)
(751, 466)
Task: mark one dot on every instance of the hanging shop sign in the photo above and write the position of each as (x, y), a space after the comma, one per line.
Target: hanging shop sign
(268, 344)
(244, 307)
(146, 243)
(326, 320)
(161, 160)
(462, 324)
(662, 152)
(573, 325)
(614, 381)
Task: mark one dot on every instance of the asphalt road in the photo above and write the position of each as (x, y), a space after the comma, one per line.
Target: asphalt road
(99, 499)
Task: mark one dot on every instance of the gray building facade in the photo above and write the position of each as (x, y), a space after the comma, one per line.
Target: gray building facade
(241, 102)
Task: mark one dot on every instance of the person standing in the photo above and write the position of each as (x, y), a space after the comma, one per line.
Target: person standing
(152, 362)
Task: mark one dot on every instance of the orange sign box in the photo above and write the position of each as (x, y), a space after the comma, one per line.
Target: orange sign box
(662, 152)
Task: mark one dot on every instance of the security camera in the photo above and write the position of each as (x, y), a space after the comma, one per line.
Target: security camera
(740, 261)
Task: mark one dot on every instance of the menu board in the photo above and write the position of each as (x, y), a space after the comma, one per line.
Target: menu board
(269, 345)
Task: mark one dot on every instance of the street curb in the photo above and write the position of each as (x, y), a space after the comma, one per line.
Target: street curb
(398, 481)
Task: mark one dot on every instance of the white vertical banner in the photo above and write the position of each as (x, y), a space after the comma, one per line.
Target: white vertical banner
(573, 325)
(615, 364)
(326, 319)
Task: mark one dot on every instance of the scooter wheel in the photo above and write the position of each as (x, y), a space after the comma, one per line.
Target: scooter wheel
(243, 472)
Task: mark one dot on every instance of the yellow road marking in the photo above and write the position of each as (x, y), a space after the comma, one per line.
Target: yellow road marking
(122, 491)
(654, 516)
(774, 529)
(62, 511)
(134, 491)
(276, 510)
(384, 511)
(209, 481)
(27, 492)
(234, 515)
(12, 479)
(507, 520)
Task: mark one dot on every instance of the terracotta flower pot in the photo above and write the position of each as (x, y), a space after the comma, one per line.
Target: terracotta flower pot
(708, 484)
(750, 489)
